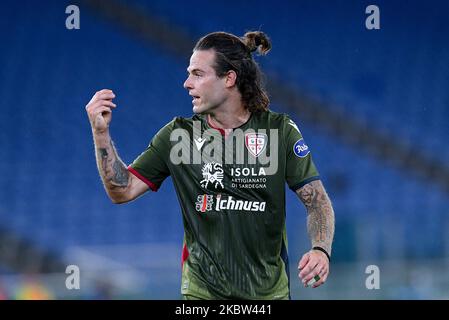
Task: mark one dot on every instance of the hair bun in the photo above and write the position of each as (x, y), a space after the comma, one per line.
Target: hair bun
(257, 40)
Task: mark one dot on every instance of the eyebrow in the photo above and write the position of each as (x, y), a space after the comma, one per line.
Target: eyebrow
(196, 70)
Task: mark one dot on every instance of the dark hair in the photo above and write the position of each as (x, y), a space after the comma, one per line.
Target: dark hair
(234, 53)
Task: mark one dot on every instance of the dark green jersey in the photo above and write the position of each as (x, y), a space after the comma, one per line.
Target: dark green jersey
(232, 196)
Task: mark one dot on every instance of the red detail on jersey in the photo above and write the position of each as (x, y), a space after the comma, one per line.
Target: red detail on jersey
(203, 208)
(138, 175)
(219, 129)
(185, 254)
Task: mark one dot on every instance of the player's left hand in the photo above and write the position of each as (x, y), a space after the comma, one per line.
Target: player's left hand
(313, 264)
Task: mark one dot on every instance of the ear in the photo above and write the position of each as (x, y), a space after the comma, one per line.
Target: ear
(231, 79)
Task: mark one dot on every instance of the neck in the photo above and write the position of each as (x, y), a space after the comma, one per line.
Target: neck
(229, 118)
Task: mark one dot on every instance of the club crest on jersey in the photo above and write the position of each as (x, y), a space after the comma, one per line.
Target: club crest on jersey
(204, 203)
(212, 172)
(300, 148)
(256, 143)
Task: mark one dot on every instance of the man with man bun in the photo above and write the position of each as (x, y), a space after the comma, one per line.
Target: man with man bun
(229, 163)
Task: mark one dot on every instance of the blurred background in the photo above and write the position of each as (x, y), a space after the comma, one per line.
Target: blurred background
(373, 106)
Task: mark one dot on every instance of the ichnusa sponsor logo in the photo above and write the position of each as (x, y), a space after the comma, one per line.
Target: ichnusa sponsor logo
(205, 203)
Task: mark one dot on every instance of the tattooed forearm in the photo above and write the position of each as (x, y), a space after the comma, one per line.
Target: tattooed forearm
(121, 174)
(112, 170)
(320, 214)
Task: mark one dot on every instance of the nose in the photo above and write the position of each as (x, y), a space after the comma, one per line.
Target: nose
(188, 84)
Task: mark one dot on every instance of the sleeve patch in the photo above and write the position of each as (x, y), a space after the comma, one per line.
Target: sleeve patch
(301, 149)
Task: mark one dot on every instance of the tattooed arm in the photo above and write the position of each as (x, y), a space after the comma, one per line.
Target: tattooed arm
(320, 227)
(120, 185)
(320, 215)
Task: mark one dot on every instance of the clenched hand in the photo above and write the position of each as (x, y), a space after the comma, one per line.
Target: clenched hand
(99, 110)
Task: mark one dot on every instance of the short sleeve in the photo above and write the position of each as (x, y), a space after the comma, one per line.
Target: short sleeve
(300, 168)
(151, 165)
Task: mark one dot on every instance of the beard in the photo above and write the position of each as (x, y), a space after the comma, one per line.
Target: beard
(203, 108)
